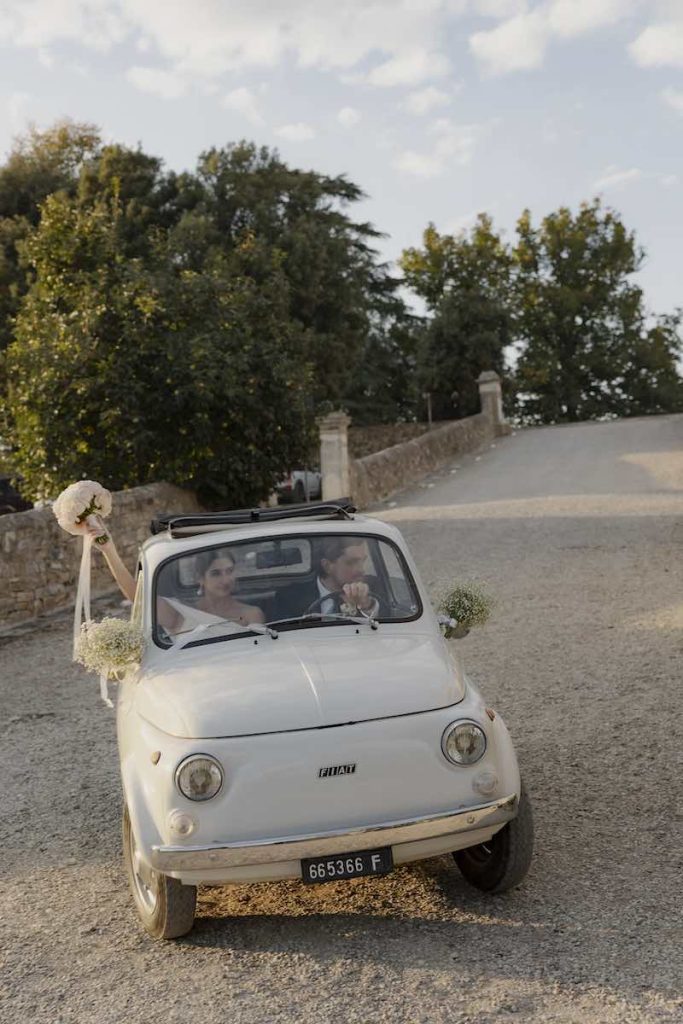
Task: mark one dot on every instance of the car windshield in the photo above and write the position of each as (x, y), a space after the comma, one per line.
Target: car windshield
(288, 582)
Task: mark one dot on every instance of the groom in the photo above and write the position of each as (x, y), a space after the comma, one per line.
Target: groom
(339, 580)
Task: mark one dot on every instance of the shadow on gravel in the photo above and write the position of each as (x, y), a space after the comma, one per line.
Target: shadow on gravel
(441, 924)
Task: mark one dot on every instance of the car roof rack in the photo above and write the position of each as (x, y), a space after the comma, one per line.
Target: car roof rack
(206, 522)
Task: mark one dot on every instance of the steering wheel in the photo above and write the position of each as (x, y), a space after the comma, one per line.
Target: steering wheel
(343, 599)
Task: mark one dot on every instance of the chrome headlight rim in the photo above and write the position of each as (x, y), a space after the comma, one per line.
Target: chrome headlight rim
(451, 728)
(199, 757)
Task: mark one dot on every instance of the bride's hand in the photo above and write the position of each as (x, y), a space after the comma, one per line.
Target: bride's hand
(94, 526)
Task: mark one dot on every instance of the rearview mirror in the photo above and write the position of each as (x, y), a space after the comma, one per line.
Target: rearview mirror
(278, 558)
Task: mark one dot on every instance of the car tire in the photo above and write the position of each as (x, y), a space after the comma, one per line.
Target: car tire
(299, 492)
(504, 860)
(165, 906)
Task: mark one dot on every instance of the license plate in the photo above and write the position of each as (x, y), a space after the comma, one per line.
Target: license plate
(346, 865)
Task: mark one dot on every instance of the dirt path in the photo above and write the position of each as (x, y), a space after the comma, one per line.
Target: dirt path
(578, 533)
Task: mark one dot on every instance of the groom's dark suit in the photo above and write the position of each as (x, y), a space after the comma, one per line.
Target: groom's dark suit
(297, 598)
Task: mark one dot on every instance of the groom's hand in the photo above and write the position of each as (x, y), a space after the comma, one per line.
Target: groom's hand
(358, 594)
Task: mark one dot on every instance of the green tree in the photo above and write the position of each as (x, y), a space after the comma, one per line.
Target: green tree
(133, 370)
(465, 281)
(147, 196)
(383, 386)
(337, 287)
(39, 164)
(588, 349)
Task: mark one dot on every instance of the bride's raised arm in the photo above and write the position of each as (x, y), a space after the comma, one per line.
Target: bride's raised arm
(96, 528)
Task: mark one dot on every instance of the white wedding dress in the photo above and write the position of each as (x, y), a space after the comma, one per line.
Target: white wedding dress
(191, 617)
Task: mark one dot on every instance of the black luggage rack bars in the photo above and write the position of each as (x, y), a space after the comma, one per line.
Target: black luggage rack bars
(341, 508)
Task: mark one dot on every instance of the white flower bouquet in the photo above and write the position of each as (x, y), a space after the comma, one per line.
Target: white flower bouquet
(466, 606)
(110, 647)
(79, 501)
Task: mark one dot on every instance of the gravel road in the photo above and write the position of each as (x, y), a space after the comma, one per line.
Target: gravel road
(577, 532)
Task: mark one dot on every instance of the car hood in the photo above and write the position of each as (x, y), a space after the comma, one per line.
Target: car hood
(299, 681)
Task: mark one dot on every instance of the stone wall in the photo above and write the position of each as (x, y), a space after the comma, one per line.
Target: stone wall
(375, 438)
(39, 562)
(380, 474)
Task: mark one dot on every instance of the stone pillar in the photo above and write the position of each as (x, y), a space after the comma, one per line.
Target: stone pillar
(491, 397)
(334, 455)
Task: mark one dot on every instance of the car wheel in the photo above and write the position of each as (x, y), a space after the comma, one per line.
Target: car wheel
(166, 906)
(502, 861)
(299, 492)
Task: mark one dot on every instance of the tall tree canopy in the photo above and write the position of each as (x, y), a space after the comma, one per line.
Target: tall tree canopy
(116, 270)
(465, 281)
(40, 164)
(564, 297)
(134, 371)
(587, 347)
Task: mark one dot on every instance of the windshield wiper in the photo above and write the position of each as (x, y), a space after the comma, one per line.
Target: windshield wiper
(194, 634)
(359, 620)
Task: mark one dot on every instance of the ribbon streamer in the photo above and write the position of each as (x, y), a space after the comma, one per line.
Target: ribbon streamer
(82, 609)
(104, 691)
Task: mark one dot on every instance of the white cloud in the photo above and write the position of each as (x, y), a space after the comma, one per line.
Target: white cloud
(207, 38)
(348, 117)
(659, 45)
(424, 100)
(165, 84)
(515, 45)
(243, 101)
(453, 144)
(298, 132)
(569, 18)
(613, 178)
(674, 98)
(668, 180)
(39, 23)
(420, 165)
(520, 42)
(500, 8)
(409, 69)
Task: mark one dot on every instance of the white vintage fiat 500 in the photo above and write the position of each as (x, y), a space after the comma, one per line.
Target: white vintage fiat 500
(324, 731)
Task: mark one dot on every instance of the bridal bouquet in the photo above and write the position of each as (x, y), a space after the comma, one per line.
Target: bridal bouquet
(466, 606)
(79, 501)
(111, 648)
(76, 504)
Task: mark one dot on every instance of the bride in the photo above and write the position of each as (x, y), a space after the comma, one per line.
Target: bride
(216, 582)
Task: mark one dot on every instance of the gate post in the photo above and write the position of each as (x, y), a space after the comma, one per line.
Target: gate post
(491, 396)
(334, 455)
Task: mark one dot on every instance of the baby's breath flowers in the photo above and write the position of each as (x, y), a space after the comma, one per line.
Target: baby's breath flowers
(109, 647)
(468, 605)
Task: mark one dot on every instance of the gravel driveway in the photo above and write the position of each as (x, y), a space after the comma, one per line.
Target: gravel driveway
(577, 532)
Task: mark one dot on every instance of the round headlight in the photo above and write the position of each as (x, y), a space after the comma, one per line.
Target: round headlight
(199, 777)
(464, 743)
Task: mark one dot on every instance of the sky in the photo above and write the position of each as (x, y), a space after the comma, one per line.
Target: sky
(438, 109)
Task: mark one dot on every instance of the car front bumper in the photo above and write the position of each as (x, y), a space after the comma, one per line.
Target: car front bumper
(411, 839)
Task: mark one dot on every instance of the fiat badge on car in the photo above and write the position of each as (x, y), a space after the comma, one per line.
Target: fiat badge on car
(336, 769)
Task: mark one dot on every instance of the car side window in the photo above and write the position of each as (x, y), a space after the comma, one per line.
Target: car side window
(401, 593)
